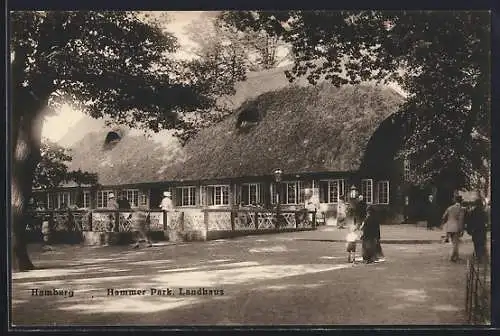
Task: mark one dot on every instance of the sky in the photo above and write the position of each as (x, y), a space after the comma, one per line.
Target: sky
(56, 126)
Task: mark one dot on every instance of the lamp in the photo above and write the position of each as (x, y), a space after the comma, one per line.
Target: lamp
(278, 174)
(354, 192)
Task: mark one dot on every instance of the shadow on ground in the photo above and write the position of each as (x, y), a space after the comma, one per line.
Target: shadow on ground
(263, 282)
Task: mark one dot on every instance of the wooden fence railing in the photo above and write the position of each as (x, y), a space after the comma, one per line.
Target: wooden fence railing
(478, 291)
(96, 220)
(156, 220)
(258, 219)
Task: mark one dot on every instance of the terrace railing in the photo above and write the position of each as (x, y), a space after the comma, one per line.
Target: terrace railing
(478, 291)
(257, 219)
(100, 220)
(96, 220)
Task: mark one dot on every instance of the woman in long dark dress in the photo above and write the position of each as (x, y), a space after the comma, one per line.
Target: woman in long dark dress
(476, 226)
(370, 232)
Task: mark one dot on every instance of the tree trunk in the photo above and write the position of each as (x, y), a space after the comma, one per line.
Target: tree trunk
(27, 125)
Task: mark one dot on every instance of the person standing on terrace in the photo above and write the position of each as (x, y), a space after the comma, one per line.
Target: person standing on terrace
(112, 205)
(166, 203)
(311, 203)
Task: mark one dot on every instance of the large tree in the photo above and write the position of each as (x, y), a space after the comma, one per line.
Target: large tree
(257, 50)
(440, 58)
(229, 54)
(114, 64)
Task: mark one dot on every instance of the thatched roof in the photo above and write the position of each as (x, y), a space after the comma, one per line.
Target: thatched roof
(136, 158)
(255, 84)
(301, 130)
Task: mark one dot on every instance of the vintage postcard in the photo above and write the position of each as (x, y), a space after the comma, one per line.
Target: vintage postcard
(214, 168)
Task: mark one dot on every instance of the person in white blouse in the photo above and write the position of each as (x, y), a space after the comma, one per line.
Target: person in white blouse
(166, 204)
(341, 213)
(311, 203)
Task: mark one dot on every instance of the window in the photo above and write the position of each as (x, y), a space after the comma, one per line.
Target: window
(112, 138)
(292, 192)
(185, 196)
(86, 199)
(143, 198)
(291, 195)
(247, 117)
(250, 193)
(383, 192)
(331, 190)
(102, 198)
(132, 196)
(367, 190)
(218, 195)
(406, 169)
(63, 199)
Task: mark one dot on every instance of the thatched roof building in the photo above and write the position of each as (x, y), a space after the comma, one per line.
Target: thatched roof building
(135, 157)
(140, 157)
(299, 129)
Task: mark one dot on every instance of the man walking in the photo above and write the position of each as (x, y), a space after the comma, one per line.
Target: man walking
(432, 213)
(139, 221)
(453, 225)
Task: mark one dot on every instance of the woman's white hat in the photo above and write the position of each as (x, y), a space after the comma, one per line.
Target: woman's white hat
(167, 193)
(111, 195)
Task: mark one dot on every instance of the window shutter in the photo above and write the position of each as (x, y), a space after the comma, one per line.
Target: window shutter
(284, 193)
(244, 192)
(301, 192)
(273, 193)
(323, 192)
(388, 192)
(193, 195)
(369, 191)
(226, 195)
(178, 196)
(197, 195)
(259, 194)
(203, 193)
(210, 196)
(49, 201)
(235, 195)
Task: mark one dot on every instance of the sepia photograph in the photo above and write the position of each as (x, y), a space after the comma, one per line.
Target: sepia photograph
(249, 168)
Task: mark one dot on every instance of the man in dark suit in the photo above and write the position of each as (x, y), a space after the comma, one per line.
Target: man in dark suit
(432, 213)
(124, 204)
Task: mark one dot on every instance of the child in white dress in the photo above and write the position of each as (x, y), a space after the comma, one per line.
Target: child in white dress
(352, 237)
